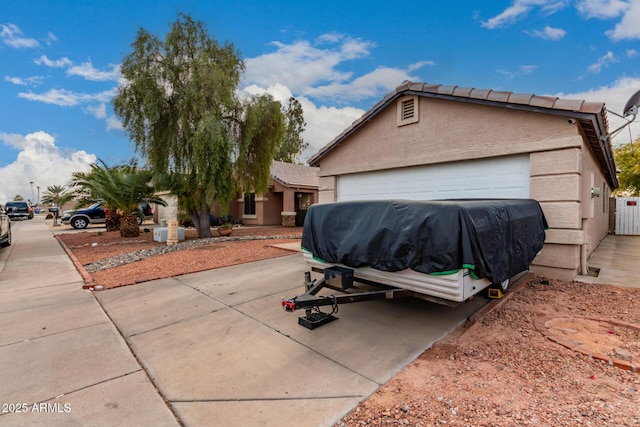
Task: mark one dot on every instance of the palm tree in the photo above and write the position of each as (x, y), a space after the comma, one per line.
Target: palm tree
(56, 195)
(120, 189)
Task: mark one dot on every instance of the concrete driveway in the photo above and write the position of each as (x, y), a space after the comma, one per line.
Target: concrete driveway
(210, 348)
(221, 350)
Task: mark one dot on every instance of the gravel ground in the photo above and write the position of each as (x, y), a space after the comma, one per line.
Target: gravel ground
(502, 371)
(113, 261)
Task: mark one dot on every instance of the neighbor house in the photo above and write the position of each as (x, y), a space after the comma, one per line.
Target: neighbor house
(292, 189)
(425, 142)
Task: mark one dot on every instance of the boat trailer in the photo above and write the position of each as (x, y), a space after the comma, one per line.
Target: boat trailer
(341, 279)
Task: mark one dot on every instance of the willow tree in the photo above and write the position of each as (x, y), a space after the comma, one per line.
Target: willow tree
(292, 145)
(180, 107)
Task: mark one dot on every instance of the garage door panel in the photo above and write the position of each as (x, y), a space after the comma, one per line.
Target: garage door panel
(506, 177)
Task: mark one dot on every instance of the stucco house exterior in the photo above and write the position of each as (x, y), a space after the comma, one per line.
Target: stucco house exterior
(427, 141)
(292, 189)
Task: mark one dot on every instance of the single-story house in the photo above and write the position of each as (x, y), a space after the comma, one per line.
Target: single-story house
(292, 189)
(428, 141)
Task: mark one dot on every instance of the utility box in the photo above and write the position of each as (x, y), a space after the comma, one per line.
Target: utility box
(160, 234)
(340, 277)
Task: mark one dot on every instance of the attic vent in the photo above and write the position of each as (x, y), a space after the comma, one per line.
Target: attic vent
(407, 110)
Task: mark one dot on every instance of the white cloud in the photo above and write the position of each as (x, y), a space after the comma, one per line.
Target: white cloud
(87, 71)
(59, 63)
(523, 70)
(520, 8)
(615, 96)
(29, 81)
(601, 9)
(313, 70)
(302, 64)
(51, 38)
(11, 35)
(98, 111)
(629, 26)
(41, 161)
(603, 61)
(113, 123)
(549, 33)
(66, 98)
(632, 53)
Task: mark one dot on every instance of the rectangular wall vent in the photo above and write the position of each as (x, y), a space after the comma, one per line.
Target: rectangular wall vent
(407, 110)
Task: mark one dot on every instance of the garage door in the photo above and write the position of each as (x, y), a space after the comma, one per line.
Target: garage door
(497, 178)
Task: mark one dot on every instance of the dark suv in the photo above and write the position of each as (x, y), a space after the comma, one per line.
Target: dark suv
(95, 214)
(18, 209)
(81, 218)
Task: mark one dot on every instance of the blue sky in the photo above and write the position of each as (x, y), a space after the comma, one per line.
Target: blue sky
(59, 63)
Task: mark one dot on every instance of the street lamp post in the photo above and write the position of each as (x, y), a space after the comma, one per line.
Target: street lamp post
(31, 182)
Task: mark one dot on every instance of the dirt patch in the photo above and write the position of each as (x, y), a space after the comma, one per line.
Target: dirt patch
(90, 247)
(502, 371)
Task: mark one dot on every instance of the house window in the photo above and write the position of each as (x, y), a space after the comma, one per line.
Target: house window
(407, 108)
(250, 204)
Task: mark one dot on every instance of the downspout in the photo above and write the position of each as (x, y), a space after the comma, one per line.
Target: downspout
(584, 268)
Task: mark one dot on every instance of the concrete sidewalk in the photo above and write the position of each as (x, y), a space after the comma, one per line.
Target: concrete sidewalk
(62, 361)
(616, 260)
(216, 344)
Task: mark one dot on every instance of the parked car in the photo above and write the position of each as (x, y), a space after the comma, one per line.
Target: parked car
(5, 229)
(95, 214)
(81, 218)
(145, 212)
(18, 209)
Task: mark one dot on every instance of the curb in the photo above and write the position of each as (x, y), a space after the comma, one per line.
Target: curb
(86, 277)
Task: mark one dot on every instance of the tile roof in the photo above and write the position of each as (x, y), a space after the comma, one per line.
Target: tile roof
(591, 115)
(291, 175)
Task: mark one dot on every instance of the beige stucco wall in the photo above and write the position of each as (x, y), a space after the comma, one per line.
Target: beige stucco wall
(278, 201)
(447, 131)
(561, 166)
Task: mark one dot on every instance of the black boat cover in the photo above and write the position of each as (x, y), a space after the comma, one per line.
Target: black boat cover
(494, 239)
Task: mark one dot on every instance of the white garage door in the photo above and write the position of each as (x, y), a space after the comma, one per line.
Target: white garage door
(497, 178)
